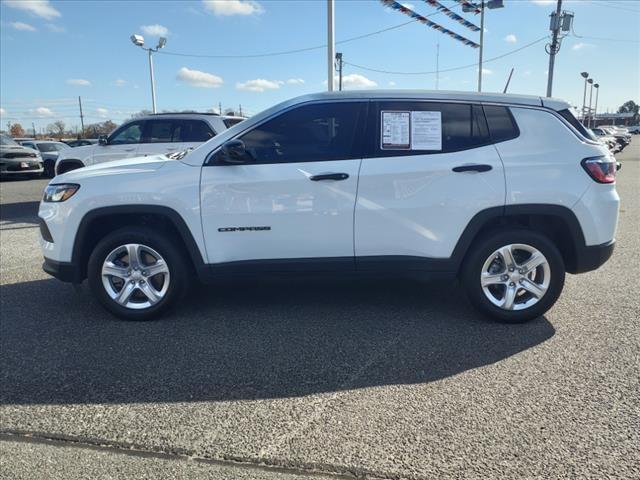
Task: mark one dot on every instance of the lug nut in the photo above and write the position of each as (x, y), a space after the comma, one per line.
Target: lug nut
(505, 278)
(511, 269)
(511, 284)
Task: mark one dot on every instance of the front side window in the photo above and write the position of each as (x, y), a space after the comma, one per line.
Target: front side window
(5, 140)
(127, 134)
(309, 133)
(419, 128)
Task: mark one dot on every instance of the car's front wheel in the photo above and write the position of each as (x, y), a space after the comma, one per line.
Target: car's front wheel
(137, 273)
(514, 275)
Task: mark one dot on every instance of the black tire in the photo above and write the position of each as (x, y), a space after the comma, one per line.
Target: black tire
(165, 245)
(483, 248)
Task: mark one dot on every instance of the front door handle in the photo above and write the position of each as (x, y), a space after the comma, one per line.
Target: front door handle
(472, 168)
(329, 176)
(129, 149)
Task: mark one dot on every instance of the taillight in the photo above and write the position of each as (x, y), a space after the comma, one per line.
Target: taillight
(601, 169)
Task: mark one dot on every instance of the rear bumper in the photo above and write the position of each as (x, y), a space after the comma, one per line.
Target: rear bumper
(65, 271)
(592, 257)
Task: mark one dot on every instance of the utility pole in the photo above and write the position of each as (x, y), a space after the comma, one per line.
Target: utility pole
(481, 45)
(556, 22)
(153, 82)
(331, 47)
(339, 65)
(584, 75)
(81, 116)
(220, 108)
(240, 109)
(33, 126)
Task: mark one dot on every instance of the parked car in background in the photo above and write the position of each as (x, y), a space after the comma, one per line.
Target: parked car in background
(157, 134)
(634, 129)
(609, 140)
(18, 160)
(437, 184)
(623, 139)
(82, 142)
(49, 151)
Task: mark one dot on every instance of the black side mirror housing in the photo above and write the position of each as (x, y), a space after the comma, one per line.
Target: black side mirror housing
(234, 152)
(102, 140)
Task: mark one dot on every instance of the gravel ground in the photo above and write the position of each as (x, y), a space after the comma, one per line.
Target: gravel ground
(366, 378)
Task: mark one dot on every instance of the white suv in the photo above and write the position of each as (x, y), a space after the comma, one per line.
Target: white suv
(507, 192)
(158, 134)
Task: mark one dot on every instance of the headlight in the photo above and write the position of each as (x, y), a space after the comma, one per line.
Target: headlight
(59, 192)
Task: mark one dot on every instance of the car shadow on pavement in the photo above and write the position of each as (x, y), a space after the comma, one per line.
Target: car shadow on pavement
(23, 212)
(246, 340)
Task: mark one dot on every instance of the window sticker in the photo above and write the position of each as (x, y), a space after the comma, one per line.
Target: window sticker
(426, 130)
(396, 130)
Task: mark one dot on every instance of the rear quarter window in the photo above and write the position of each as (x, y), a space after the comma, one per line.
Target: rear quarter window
(502, 125)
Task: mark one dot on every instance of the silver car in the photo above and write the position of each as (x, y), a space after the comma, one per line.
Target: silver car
(16, 160)
(49, 150)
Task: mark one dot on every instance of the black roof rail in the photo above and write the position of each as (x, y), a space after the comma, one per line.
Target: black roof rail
(183, 113)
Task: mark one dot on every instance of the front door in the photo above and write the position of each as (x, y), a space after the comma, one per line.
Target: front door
(292, 201)
(123, 143)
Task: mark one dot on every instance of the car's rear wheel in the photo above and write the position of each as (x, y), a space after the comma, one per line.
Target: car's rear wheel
(514, 275)
(137, 273)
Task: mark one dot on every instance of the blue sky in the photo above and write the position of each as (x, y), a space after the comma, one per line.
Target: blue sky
(53, 51)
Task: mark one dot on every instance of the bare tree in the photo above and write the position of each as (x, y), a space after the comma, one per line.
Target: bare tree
(56, 129)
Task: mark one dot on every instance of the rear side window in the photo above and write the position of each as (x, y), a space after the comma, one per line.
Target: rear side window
(192, 131)
(462, 127)
(230, 122)
(159, 131)
(502, 126)
(569, 117)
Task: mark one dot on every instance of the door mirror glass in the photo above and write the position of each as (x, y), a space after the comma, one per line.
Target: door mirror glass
(102, 140)
(234, 152)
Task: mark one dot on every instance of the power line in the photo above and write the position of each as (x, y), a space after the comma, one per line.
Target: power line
(298, 50)
(449, 69)
(613, 6)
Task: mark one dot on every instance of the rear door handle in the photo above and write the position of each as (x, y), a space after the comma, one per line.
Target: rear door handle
(129, 149)
(472, 168)
(329, 176)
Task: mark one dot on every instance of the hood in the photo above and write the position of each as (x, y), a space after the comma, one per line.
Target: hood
(15, 148)
(126, 166)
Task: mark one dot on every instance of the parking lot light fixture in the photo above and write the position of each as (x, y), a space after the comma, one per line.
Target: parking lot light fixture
(585, 75)
(138, 40)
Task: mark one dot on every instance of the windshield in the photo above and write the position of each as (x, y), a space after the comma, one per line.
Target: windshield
(4, 140)
(50, 147)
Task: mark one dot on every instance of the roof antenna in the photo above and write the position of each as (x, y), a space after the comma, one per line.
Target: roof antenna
(508, 81)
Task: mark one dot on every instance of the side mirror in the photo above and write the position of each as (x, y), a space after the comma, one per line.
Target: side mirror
(234, 152)
(102, 140)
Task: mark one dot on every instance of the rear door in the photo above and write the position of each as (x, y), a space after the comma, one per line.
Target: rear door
(431, 168)
(158, 137)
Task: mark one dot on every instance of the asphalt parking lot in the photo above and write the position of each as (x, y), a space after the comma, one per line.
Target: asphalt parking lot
(289, 379)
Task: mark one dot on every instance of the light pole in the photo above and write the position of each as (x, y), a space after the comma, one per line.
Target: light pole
(590, 97)
(595, 109)
(585, 75)
(139, 41)
(331, 46)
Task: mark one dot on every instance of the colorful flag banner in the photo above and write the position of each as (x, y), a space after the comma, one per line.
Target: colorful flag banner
(468, 4)
(407, 11)
(454, 16)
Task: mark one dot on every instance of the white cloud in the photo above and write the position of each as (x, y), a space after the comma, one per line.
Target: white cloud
(42, 112)
(39, 8)
(543, 3)
(356, 80)
(295, 81)
(55, 28)
(102, 112)
(581, 45)
(527, 73)
(259, 85)
(511, 38)
(25, 27)
(120, 82)
(196, 78)
(232, 7)
(392, 83)
(486, 71)
(79, 82)
(2, 112)
(155, 30)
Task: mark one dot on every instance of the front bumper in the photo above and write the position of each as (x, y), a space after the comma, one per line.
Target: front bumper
(65, 271)
(20, 167)
(592, 257)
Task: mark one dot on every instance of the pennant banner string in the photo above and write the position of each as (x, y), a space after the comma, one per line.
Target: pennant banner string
(422, 19)
(454, 16)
